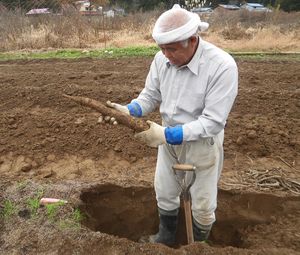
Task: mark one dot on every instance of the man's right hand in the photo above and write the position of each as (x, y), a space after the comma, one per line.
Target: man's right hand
(111, 119)
(118, 107)
(132, 109)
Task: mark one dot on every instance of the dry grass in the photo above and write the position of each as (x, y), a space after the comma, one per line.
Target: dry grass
(243, 31)
(256, 39)
(236, 31)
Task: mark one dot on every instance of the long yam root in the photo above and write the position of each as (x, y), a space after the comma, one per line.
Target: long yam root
(137, 125)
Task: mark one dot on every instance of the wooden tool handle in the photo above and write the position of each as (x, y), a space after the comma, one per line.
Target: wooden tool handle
(188, 220)
(183, 167)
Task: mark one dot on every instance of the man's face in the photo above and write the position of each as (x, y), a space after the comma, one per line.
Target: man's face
(178, 54)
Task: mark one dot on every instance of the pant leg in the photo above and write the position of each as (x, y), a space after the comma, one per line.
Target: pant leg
(166, 187)
(204, 190)
(219, 139)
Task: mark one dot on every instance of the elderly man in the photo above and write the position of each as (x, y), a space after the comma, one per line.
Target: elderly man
(194, 83)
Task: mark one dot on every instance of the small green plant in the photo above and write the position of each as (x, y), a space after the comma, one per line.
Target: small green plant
(34, 203)
(77, 216)
(73, 221)
(52, 209)
(9, 209)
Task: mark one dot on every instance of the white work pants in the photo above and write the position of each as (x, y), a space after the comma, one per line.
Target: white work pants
(207, 156)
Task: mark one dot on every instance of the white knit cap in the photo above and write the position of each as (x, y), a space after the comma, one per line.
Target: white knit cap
(176, 25)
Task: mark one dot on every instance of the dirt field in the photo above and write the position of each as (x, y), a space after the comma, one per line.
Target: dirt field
(52, 147)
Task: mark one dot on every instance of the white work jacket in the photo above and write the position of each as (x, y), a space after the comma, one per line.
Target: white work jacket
(198, 96)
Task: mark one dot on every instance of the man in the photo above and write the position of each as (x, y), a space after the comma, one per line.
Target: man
(194, 83)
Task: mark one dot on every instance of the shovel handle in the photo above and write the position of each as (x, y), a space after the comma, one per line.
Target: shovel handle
(184, 167)
(188, 220)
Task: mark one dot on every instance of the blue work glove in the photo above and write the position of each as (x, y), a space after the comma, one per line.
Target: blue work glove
(157, 135)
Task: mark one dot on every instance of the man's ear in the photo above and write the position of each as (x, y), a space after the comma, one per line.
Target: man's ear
(193, 39)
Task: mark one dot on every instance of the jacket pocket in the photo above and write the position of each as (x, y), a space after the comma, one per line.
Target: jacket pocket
(202, 154)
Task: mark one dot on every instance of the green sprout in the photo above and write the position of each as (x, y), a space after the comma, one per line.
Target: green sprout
(34, 203)
(52, 209)
(9, 209)
(73, 221)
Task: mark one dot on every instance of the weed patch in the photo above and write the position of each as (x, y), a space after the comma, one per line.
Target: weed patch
(33, 204)
(9, 209)
(53, 209)
(73, 221)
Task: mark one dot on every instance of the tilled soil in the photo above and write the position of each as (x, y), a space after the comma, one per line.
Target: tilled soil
(53, 147)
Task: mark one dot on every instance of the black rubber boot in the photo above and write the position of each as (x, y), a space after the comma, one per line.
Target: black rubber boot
(201, 232)
(167, 228)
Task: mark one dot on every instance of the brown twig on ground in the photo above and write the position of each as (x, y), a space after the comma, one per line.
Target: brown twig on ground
(137, 125)
(289, 165)
(266, 180)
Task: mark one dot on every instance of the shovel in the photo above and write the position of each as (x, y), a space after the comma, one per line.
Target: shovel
(186, 196)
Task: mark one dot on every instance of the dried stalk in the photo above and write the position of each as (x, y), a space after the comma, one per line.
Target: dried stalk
(289, 165)
(267, 180)
(137, 125)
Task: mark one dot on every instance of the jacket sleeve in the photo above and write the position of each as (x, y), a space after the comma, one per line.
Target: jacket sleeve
(219, 98)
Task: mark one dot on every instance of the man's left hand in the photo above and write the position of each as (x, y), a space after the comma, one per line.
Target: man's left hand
(154, 136)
